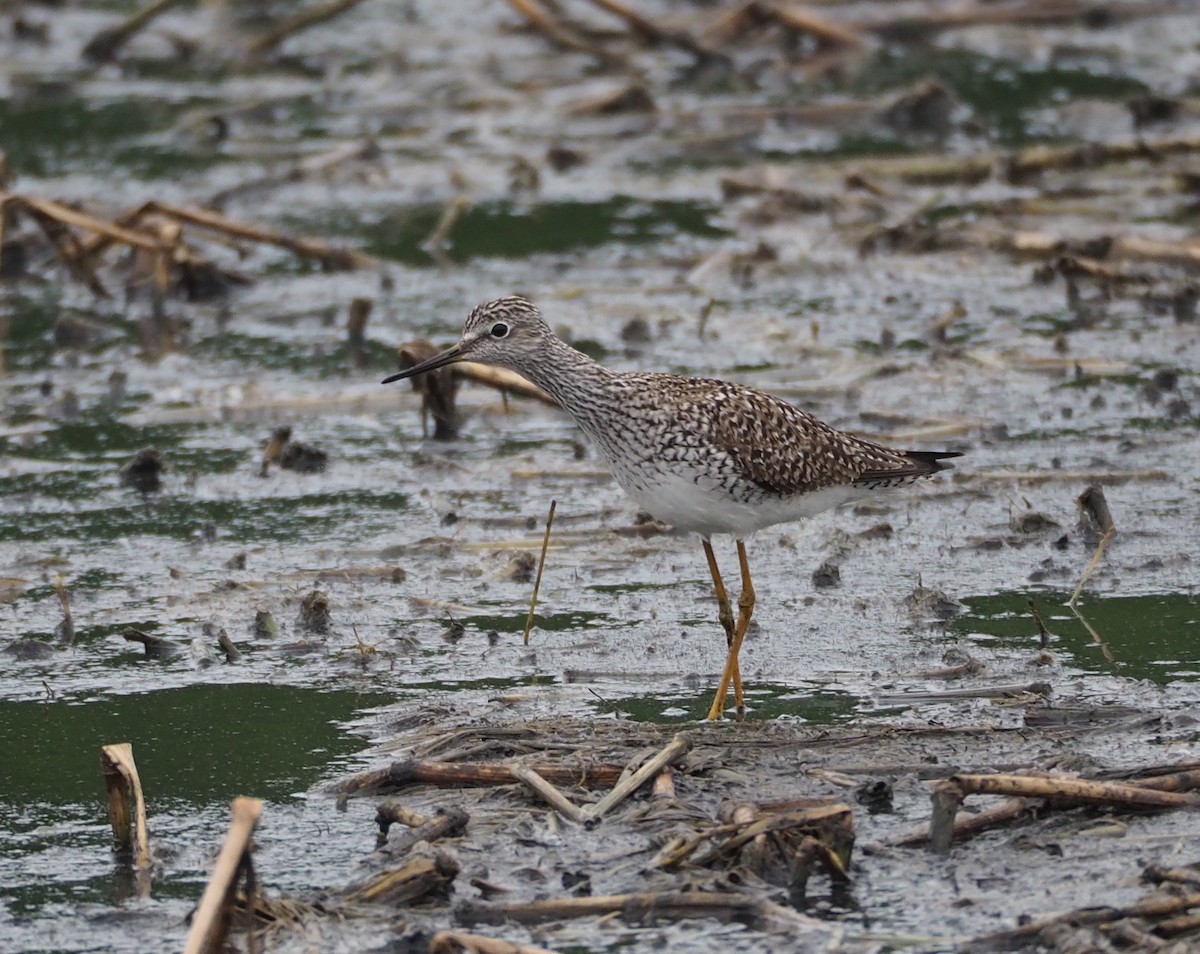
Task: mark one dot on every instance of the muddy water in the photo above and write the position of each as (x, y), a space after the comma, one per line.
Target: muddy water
(413, 540)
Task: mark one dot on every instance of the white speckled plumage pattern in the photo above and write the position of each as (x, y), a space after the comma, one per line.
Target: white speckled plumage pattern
(704, 455)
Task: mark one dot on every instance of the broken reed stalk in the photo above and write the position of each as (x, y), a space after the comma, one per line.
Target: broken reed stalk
(948, 795)
(544, 21)
(1146, 908)
(68, 216)
(1093, 503)
(104, 45)
(460, 942)
(964, 825)
(652, 32)
(393, 812)
(328, 255)
(460, 774)
(437, 240)
(503, 380)
(642, 907)
(537, 582)
(947, 798)
(66, 629)
(672, 752)
(445, 824)
(356, 330)
(1185, 780)
(1076, 791)
(301, 21)
(553, 797)
(1158, 874)
(126, 805)
(1043, 632)
(403, 884)
(210, 924)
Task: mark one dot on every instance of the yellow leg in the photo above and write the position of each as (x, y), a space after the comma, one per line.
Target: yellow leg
(745, 611)
(724, 613)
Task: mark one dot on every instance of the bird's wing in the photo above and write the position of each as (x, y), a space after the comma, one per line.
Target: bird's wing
(786, 451)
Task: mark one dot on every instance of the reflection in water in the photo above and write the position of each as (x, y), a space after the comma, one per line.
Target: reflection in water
(764, 701)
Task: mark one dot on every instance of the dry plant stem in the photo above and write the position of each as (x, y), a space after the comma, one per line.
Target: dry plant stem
(1173, 927)
(126, 805)
(750, 826)
(942, 170)
(211, 921)
(553, 797)
(638, 908)
(965, 825)
(1092, 500)
(105, 44)
(1074, 790)
(329, 255)
(302, 21)
(537, 582)
(393, 812)
(68, 216)
(543, 21)
(947, 798)
(447, 824)
(826, 32)
(1183, 781)
(502, 379)
(67, 627)
(405, 883)
(674, 750)
(1037, 13)
(70, 252)
(453, 775)
(437, 240)
(1146, 908)
(735, 21)
(1158, 874)
(657, 34)
(1043, 632)
(1105, 649)
(459, 942)
(356, 330)
(1048, 476)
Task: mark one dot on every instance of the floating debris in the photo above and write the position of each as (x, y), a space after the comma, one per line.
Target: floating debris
(292, 455)
(927, 602)
(314, 612)
(144, 472)
(264, 625)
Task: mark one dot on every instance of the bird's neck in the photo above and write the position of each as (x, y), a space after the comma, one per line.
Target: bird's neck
(569, 376)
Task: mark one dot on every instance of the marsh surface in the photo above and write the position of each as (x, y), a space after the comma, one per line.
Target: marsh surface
(714, 229)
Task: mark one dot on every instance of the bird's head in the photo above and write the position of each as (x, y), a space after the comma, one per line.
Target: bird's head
(506, 332)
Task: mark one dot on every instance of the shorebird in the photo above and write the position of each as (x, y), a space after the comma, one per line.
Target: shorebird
(703, 455)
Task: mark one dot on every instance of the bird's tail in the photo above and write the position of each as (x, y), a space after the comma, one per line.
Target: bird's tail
(930, 462)
(916, 464)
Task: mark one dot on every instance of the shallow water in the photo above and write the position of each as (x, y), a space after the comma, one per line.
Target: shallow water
(409, 537)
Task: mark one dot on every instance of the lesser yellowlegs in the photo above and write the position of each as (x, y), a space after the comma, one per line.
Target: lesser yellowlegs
(703, 455)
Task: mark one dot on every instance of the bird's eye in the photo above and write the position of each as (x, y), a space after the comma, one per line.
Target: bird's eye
(499, 330)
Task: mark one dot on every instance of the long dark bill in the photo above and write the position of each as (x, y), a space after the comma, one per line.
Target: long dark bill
(449, 356)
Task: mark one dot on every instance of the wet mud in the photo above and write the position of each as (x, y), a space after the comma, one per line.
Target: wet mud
(222, 540)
